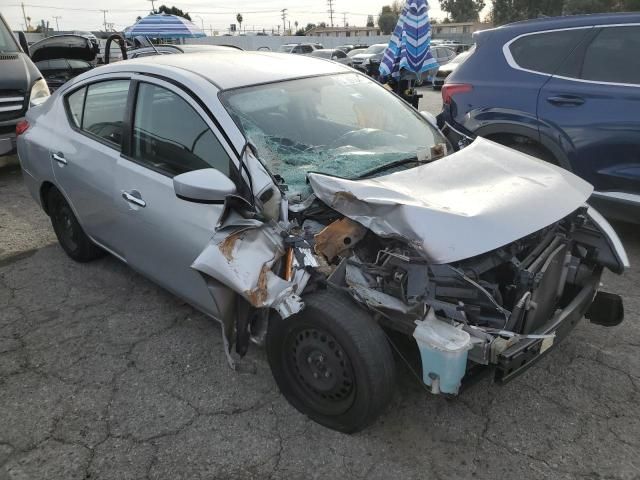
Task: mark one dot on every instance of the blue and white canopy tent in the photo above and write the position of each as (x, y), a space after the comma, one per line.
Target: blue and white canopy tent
(164, 26)
(409, 48)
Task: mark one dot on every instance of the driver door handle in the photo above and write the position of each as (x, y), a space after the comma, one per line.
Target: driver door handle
(133, 199)
(59, 157)
(566, 101)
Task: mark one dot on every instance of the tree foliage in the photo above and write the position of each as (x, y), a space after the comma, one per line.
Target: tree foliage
(387, 19)
(506, 11)
(463, 10)
(173, 11)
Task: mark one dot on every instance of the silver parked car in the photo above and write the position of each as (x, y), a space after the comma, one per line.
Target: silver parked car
(303, 206)
(334, 54)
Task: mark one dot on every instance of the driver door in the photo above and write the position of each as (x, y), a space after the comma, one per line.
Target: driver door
(162, 233)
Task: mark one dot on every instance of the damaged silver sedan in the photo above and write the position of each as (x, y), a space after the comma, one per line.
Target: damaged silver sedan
(318, 214)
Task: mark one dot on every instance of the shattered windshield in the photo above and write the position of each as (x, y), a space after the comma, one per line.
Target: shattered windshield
(344, 125)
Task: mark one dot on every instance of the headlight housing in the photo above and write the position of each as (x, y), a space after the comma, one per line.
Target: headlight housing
(39, 92)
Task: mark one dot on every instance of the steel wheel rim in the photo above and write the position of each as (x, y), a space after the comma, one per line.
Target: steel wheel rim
(64, 219)
(320, 369)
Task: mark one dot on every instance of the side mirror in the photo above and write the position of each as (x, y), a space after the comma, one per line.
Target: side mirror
(22, 39)
(430, 118)
(203, 186)
(335, 57)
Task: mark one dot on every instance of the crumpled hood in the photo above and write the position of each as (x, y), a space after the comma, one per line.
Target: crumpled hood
(471, 202)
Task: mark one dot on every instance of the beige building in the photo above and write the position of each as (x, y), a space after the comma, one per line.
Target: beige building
(466, 28)
(344, 32)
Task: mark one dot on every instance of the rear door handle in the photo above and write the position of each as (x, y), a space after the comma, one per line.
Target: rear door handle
(134, 199)
(59, 157)
(566, 101)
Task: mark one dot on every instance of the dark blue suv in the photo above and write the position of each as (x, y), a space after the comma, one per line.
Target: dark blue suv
(564, 89)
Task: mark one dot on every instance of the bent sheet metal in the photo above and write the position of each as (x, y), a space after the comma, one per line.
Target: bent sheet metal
(469, 203)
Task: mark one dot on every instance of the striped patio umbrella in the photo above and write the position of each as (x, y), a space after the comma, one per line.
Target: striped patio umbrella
(164, 26)
(408, 49)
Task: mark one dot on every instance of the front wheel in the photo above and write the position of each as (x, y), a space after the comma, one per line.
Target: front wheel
(332, 362)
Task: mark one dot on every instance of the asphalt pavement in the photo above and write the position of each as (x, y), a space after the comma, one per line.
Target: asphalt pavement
(104, 375)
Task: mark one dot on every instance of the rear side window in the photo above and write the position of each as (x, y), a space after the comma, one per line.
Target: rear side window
(613, 56)
(170, 136)
(75, 104)
(104, 110)
(544, 52)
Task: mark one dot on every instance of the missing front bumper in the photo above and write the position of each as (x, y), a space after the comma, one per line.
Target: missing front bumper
(518, 358)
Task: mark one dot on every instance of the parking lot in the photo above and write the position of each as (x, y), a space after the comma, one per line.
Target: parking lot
(105, 375)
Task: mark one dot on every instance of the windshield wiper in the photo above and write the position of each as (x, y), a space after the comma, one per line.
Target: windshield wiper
(389, 166)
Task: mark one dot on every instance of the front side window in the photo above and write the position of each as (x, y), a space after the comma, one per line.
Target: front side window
(171, 137)
(7, 41)
(544, 52)
(104, 110)
(613, 56)
(344, 125)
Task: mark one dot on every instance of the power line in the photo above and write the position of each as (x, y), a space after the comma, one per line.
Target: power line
(204, 12)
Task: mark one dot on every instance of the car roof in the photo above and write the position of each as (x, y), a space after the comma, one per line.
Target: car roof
(567, 21)
(234, 68)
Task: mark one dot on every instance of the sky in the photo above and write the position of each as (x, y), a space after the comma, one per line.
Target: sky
(212, 14)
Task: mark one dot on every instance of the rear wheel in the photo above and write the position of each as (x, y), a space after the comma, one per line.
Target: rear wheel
(332, 362)
(70, 235)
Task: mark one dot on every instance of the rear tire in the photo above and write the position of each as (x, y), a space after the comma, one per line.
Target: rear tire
(71, 236)
(332, 362)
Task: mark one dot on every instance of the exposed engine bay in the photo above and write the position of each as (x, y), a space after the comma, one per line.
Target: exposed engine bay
(501, 307)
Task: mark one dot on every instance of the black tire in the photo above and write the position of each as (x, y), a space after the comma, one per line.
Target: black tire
(70, 235)
(332, 339)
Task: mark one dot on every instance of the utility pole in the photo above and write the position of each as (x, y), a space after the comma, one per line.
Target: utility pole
(344, 19)
(25, 18)
(201, 21)
(153, 6)
(284, 20)
(56, 17)
(330, 3)
(104, 18)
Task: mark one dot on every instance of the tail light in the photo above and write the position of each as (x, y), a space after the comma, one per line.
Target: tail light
(21, 127)
(451, 89)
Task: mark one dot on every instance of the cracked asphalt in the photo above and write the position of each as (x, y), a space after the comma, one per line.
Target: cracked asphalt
(104, 375)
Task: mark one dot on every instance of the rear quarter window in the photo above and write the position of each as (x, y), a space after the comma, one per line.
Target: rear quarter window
(544, 52)
(75, 104)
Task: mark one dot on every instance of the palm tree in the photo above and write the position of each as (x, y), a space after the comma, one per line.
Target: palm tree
(239, 19)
